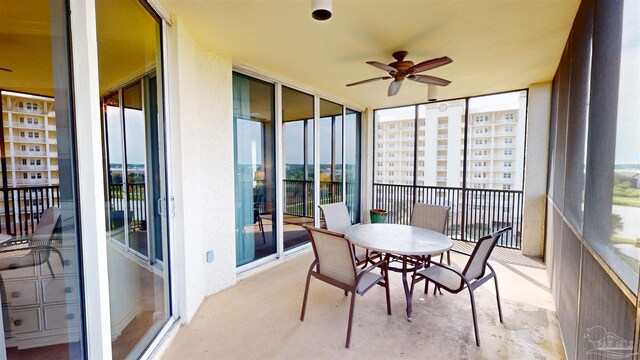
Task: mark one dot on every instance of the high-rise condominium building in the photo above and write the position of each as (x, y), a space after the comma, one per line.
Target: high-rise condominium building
(495, 154)
(30, 141)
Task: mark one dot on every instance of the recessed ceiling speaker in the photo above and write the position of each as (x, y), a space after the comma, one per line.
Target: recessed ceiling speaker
(321, 9)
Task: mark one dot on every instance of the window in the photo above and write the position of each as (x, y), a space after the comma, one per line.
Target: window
(392, 136)
(509, 129)
(508, 152)
(32, 162)
(21, 120)
(36, 135)
(507, 164)
(38, 162)
(24, 161)
(30, 134)
(380, 127)
(22, 133)
(380, 154)
(392, 126)
(380, 137)
(37, 148)
(392, 164)
(39, 175)
(509, 116)
(23, 147)
(380, 146)
(380, 163)
(392, 173)
(379, 173)
(25, 176)
(508, 141)
(392, 155)
(506, 175)
(506, 187)
(391, 146)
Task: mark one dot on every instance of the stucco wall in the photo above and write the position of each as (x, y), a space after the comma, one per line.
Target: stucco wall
(201, 109)
(535, 187)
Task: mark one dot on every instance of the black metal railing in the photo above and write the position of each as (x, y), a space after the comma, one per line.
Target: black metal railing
(136, 201)
(474, 212)
(23, 206)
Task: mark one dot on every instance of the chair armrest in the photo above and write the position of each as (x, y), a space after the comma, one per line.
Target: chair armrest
(460, 252)
(372, 266)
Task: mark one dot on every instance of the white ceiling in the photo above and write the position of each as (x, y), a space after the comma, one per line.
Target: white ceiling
(496, 45)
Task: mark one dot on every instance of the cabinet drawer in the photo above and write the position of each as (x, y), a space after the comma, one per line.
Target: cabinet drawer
(20, 293)
(25, 321)
(61, 316)
(68, 258)
(15, 265)
(59, 290)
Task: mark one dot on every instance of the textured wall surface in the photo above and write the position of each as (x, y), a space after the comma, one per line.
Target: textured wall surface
(535, 186)
(202, 155)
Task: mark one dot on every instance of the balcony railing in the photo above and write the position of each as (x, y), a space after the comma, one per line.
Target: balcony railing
(474, 212)
(22, 207)
(136, 200)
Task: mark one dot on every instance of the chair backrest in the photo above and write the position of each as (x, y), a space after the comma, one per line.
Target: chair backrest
(47, 225)
(477, 262)
(431, 217)
(336, 216)
(334, 254)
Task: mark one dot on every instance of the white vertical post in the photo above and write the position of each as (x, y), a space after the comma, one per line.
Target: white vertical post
(279, 172)
(89, 171)
(316, 160)
(344, 156)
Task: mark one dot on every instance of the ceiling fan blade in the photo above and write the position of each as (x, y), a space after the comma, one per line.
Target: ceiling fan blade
(394, 87)
(382, 66)
(429, 64)
(369, 80)
(5, 69)
(427, 79)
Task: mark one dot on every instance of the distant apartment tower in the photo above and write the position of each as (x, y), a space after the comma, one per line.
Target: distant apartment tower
(31, 154)
(495, 144)
(30, 141)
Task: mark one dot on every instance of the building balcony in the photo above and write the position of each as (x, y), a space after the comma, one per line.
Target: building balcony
(42, 181)
(27, 167)
(445, 318)
(24, 125)
(28, 140)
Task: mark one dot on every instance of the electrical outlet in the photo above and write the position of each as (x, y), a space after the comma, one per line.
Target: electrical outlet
(210, 256)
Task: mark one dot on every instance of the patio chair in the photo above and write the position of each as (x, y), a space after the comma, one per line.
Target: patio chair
(454, 280)
(337, 219)
(431, 217)
(335, 264)
(39, 240)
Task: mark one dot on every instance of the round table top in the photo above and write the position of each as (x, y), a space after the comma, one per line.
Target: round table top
(399, 239)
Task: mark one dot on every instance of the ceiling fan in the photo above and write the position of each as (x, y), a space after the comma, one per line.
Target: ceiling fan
(5, 69)
(401, 69)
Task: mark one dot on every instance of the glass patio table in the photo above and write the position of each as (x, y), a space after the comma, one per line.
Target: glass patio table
(402, 241)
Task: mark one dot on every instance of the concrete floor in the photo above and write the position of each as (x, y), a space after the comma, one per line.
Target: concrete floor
(259, 319)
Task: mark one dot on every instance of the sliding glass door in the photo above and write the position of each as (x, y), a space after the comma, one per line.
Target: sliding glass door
(297, 148)
(135, 173)
(320, 164)
(254, 155)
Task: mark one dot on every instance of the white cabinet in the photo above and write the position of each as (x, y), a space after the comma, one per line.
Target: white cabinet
(41, 309)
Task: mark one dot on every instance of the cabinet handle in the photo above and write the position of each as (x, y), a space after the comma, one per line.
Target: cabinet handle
(67, 262)
(15, 294)
(68, 290)
(70, 316)
(13, 266)
(17, 322)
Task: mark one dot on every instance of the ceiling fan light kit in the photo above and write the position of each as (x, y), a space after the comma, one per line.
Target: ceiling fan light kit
(321, 9)
(432, 92)
(401, 69)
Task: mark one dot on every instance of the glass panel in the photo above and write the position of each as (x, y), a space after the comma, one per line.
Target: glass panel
(352, 163)
(495, 165)
(394, 145)
(253, 112)
(394, 161)
(440, 145)
(441, 136)
(115, 143)
(621, 252)
(129, 53)
(299, 204)
(330, 148)
(136, 166)
(40, 286)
